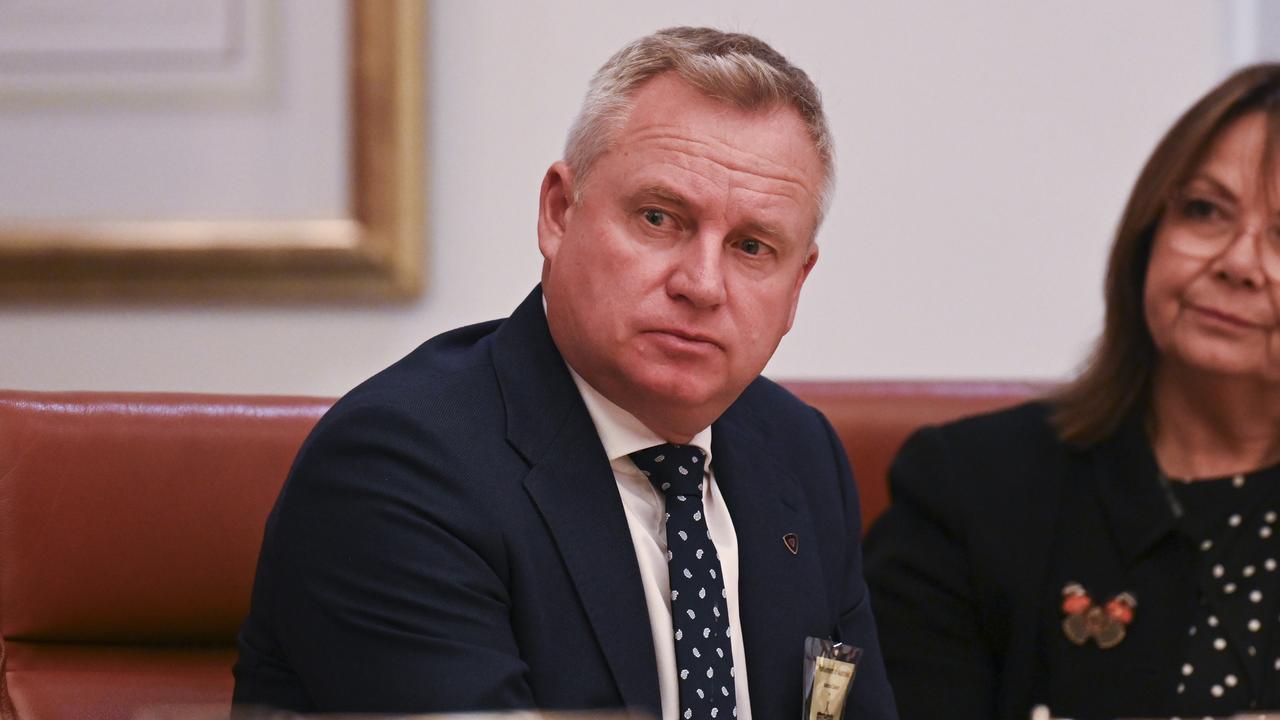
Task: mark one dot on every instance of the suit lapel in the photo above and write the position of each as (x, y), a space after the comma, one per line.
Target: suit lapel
(780, 593)
(572, 485)
(574, 490)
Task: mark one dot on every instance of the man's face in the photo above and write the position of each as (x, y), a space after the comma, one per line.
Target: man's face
(672, 280)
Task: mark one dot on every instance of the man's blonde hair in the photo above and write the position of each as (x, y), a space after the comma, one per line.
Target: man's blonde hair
(734, 68)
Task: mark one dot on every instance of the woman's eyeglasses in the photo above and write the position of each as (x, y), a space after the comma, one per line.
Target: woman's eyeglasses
(1207, 225)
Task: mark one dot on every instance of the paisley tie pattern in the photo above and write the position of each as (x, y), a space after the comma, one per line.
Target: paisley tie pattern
(699, 617)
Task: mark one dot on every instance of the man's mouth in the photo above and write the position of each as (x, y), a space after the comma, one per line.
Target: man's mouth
(691, 339)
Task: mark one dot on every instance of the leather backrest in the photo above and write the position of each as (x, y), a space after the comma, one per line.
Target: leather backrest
(134, 517)
(137, 517)
(130, 525)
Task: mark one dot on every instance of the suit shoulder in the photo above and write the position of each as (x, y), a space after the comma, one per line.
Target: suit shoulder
(433, 363)
(427, 431)
(769, 404)
(782, 425)
(446, 383)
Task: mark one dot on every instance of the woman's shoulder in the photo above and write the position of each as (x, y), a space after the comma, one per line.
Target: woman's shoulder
(989, 484)
(1018, 430)
(986, 458)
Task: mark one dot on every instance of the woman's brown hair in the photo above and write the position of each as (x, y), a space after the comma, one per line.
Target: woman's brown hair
(1115, 381)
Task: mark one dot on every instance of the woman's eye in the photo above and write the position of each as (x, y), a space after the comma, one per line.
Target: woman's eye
(655, 218)
(1200, 209)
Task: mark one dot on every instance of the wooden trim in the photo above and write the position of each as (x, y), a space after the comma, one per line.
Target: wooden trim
(375, 254)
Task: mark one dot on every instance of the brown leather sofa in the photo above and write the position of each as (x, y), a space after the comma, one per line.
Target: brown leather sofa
(130, 526)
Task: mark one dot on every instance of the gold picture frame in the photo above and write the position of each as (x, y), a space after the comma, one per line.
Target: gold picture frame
(375, 254)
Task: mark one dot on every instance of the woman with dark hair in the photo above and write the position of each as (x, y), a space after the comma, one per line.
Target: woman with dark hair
(1111, 551)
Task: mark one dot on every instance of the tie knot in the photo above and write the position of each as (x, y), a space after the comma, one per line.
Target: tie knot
(673, 469)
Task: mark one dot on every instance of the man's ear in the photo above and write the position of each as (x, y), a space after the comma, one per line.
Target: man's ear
(555, 204)
(810, 260)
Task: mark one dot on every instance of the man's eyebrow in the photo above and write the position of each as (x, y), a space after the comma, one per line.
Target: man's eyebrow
(757, 227)
(671, 197)
(658, 192)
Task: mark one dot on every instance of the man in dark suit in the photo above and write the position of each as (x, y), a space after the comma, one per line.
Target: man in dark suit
(489, 523)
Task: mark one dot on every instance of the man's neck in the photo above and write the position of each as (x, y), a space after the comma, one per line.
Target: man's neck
(621, 431)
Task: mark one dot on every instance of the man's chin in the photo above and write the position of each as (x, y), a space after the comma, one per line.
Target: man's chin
(684, 401)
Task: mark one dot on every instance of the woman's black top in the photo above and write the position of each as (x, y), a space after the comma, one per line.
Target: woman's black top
(1232, 648)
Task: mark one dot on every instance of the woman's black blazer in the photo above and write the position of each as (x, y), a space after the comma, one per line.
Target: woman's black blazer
(991, 517)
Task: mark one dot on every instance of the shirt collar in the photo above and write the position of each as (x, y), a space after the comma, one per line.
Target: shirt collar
(622, 433)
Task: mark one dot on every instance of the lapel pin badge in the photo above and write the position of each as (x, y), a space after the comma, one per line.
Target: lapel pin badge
(1084, 620)
(792, 542)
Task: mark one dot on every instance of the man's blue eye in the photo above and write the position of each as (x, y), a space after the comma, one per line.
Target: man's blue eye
(655, 217)
(750, 246)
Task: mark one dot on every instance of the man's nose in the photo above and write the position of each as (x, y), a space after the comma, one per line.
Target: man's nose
(699, 273)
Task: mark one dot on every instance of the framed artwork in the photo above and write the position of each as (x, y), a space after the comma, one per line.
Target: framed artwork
(211, 63)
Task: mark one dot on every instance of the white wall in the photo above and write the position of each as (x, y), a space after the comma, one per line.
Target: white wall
(985, 149)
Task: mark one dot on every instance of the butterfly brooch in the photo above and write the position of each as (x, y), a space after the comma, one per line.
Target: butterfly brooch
(1084, 620)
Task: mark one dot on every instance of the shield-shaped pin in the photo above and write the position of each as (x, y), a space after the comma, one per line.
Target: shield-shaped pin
(792, 542)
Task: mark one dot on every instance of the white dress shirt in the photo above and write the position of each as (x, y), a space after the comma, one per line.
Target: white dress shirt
(622, 434)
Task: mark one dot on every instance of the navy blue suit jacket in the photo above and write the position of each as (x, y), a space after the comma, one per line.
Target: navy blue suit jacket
(451, 538)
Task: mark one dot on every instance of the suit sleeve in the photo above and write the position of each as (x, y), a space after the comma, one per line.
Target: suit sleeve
(871, 696)
(921, 581)
(383, 579)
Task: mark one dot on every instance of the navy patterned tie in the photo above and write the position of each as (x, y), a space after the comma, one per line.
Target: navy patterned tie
(699, 614)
